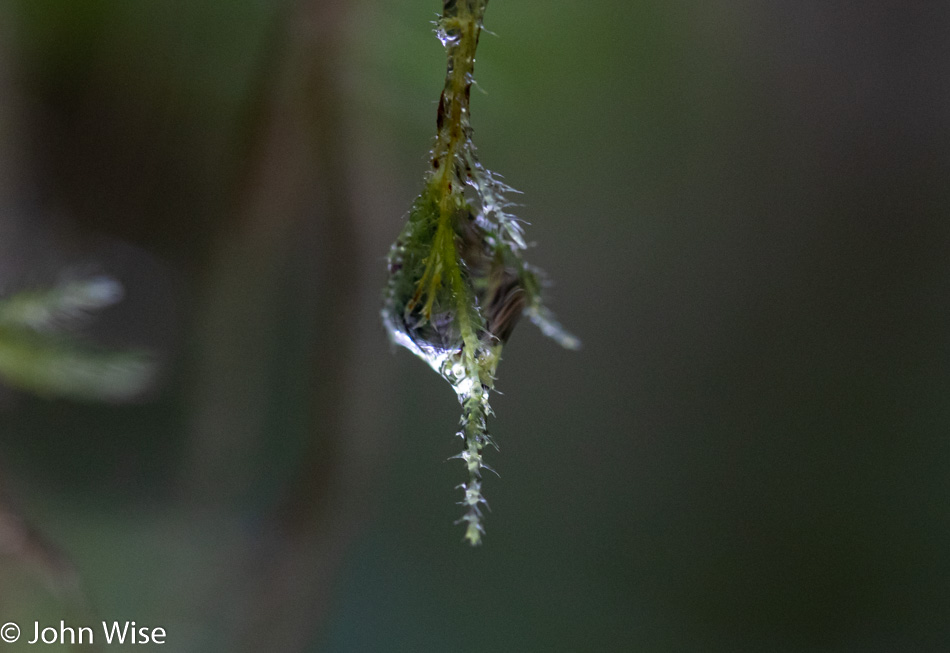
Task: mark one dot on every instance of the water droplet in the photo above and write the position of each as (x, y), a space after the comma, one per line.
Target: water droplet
(448, 37)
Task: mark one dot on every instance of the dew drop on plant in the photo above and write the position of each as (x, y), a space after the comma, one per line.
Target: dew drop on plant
(458, 282)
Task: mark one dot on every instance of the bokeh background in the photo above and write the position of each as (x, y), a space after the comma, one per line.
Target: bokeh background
(743, 207)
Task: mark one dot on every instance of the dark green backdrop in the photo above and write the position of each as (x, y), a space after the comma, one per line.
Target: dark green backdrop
(743, 207)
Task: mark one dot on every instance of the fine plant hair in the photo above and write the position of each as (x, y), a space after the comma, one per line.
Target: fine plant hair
(458, 282)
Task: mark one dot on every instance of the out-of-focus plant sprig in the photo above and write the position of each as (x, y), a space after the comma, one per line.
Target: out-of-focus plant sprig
(457, 281)
(39, 353)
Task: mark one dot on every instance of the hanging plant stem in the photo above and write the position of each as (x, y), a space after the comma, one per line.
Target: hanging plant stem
(457, 281)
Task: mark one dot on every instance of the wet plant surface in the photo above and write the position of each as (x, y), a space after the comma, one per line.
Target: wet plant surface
(458, 283)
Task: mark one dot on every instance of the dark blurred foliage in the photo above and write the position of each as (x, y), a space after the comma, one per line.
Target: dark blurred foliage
(743, 205)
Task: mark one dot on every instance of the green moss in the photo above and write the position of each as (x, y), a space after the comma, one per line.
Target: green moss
(457, 280)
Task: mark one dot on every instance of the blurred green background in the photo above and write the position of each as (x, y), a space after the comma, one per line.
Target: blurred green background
(744, 210)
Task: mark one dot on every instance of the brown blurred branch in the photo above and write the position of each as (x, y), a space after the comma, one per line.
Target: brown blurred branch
(298, 203)
(320, 513)
(25, 546)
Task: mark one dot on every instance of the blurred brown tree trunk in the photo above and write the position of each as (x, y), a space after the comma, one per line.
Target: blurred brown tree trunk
(297, 204)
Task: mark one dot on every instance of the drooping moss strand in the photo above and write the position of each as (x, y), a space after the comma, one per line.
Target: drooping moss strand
(457, 281)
